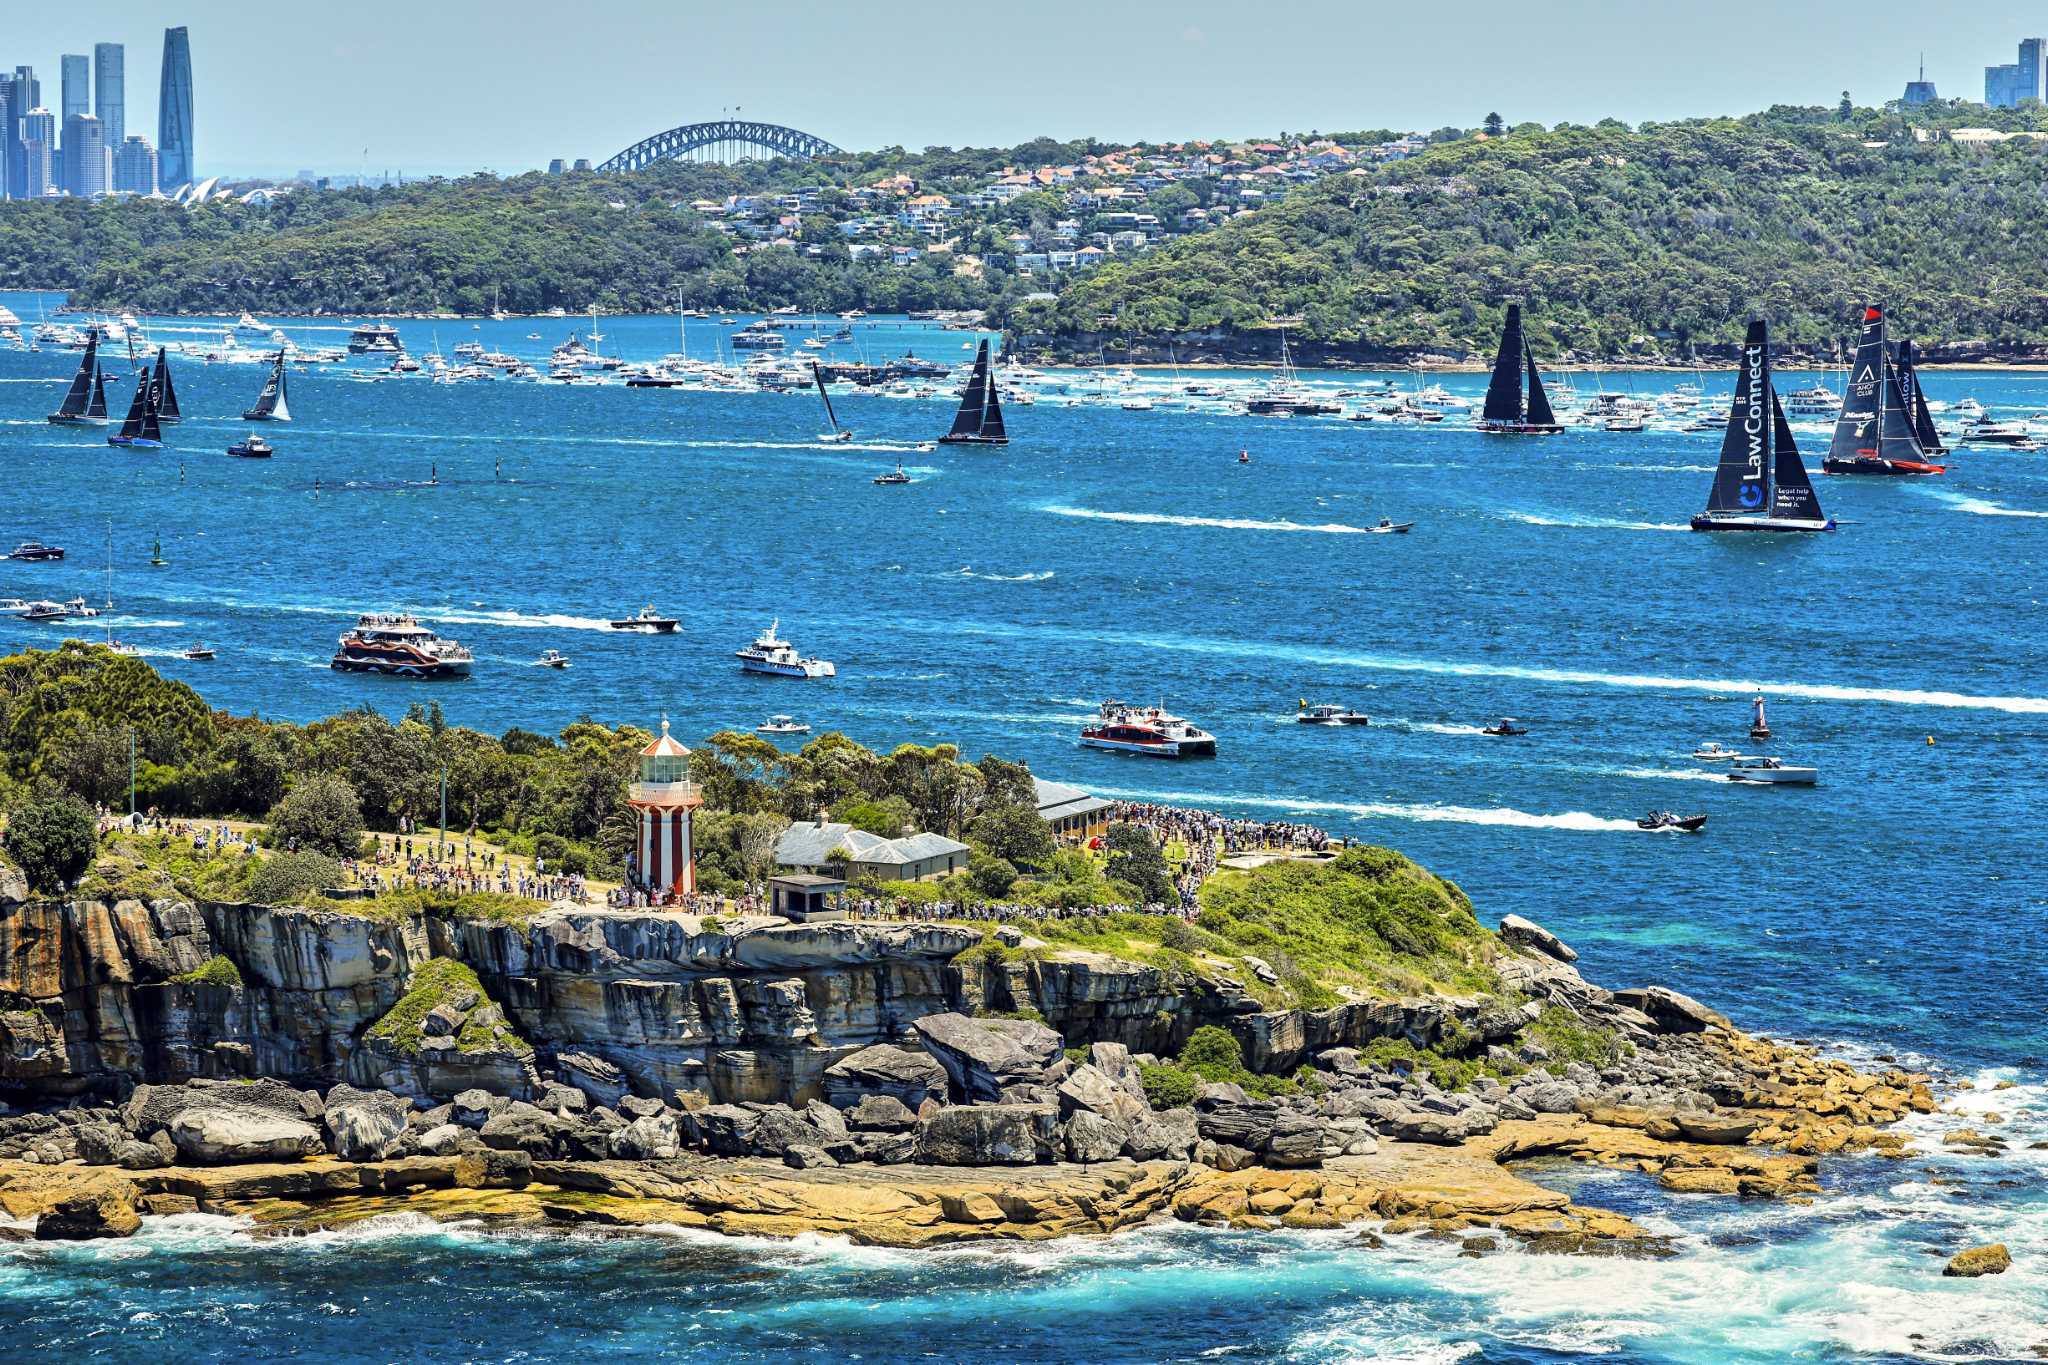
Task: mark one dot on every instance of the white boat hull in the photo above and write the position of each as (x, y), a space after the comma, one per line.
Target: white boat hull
(1778, 777)
(809, 668)
(1165, 748)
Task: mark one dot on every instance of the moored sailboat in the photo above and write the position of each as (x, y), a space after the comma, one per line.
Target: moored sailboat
(76, 409)
(140, 429)
(839, 435)
(1509, 411)
(1878, 431)
(980, 418)
(271, 405)
(1761, 484)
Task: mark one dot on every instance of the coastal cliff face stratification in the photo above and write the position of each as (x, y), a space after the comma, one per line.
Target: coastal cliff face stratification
(91, 999)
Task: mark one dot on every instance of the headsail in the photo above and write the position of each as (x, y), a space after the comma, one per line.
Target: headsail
(167, 396)
(992, 428)
(98, 406)
(1742, 481)
(1504, 390)
(79, 395)
(1540, 414)
(1792, 495)
(152, 432)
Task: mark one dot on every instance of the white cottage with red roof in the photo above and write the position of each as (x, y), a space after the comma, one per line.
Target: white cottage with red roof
(663, 798)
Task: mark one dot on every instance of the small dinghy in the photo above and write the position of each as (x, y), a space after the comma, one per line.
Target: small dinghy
(551, 658)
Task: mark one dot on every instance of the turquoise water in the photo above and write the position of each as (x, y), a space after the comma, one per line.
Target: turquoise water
(1897, 906)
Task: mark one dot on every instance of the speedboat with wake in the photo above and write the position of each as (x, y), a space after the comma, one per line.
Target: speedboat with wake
(1658, 820)
(1772, 772)
(1146, 730)
(252, 448)
(551, 658)
(648, 622)
(1760, 483)
(1389, 527)
(1328, 713)
(35, 550)
(196, 652)
(897, 478)
(1507, 726)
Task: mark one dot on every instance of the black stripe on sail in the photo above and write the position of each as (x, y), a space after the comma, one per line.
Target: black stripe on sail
(1741, 480)
(1504, 390)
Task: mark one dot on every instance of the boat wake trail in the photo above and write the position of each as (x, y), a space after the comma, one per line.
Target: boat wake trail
(1394, 663)
(1982, 507)
(965, 572)
(1389, 810)
(1431, 727)
(1595, 523)
(1670, 774)
(550, 621)
(1223, 523)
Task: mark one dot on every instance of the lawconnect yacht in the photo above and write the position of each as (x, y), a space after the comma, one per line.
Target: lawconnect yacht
(1146, 730)
(399, 645)
(773, 655)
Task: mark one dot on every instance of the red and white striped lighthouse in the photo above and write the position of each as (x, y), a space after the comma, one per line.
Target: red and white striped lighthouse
(663, 798)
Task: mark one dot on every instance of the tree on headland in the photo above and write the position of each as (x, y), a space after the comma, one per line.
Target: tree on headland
(1495, 125)
(1846, 110)
(319, 814)
(51, 840)
(1134, 857)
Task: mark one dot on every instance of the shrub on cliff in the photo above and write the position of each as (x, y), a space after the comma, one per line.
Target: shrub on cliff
(1169, 1086)
(443, 981)
(319, 814)
(288, 878)
(51, 840)
(215, 971)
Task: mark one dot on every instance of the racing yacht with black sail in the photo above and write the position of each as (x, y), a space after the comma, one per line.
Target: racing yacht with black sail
(979, 422)
(270, 404)
(166, 395)
(1761, 485)
(1877, 432)
(1508, 412)
(76, 409)
(1909, 386)
(839, 435)
(140, 429)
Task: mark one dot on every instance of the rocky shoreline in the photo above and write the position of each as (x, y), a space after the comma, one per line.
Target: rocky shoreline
(854, 1080)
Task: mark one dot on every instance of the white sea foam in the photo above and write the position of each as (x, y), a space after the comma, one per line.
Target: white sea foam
(1669, 774)
(1982, 507)
(1389, 810)
(1223, 523)
(549, 621)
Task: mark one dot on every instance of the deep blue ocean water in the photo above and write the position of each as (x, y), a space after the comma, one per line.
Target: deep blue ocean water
(1898, 906)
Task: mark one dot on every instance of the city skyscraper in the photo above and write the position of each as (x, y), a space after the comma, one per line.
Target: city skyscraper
(2027, 79)
(110, 90)
(174, 112)
(85, 157)
(135, 166)
(76, 69)
(6, 136)
(39, 152)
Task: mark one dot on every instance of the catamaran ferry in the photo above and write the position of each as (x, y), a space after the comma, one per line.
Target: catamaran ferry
(778, 657)
(399, 645)
(1146, 730)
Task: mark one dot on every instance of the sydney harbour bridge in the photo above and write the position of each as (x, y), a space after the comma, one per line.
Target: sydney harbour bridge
(726, 140)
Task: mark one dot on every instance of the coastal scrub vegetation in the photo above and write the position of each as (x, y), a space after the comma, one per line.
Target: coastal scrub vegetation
(215, 971)
(51, 841)
(443, 981)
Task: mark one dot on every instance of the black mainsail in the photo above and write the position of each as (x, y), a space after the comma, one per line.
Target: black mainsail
(1876, 433)
(979, 420)
(140, 427)
(1760, 483)
(824, 392)
(1504, 390)
(271, 404)
(78, 398)
(166, 396)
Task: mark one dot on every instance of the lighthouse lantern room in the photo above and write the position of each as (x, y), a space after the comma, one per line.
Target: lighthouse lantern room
(663, 798)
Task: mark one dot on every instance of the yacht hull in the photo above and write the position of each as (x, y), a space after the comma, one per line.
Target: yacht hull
(1881, 467)
(1708, 521)
(1165, 748)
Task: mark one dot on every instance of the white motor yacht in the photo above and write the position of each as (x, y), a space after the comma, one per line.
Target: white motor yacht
(1329, 713)
(777, 657)
(1713, 751)
(1146, 730)
(1773, 771)
(782, 725)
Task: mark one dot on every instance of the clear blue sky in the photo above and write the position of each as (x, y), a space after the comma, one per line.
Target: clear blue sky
(454, 85)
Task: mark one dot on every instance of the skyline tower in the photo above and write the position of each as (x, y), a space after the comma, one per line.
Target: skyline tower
(174, 112)
(110, 90)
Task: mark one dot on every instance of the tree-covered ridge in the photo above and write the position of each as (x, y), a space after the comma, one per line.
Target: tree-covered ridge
(1619, 241)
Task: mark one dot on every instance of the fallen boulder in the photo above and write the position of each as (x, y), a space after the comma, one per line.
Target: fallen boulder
(1522, 933)
(365, 1125)
(909, 1076)
(982, 1056)
(227, 1135)
(989, 1135)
